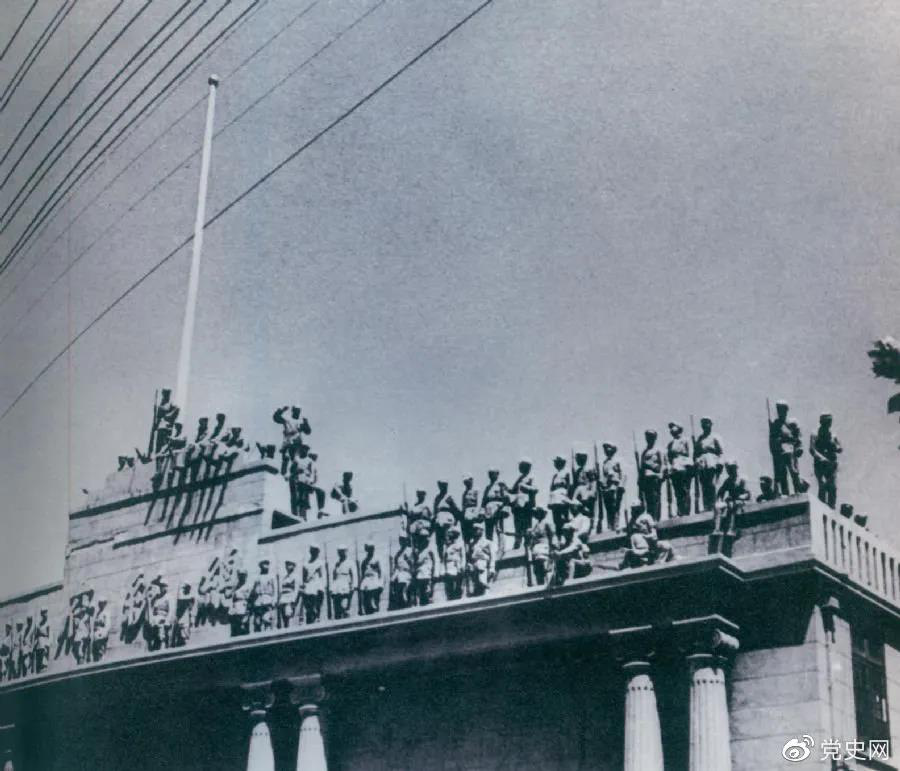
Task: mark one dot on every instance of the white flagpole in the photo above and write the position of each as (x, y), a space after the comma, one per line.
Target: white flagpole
(187, 332)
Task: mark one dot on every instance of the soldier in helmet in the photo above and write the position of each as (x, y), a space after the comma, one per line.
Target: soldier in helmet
(160, 615)
(733, 494)
(680, 468)
(293, 426)
(313, 585)
(470, 507)
(539, 542)
(573, 554)
(708, 461)
(612, 486)
(651, 476)
(423, 563)
(371, 581)
(239, 606)
(343, 583)
(304, 478)
(824, 448)
(559, 501)
(262, 598)
(100, 630)
(644, 546)
(401, 575)
(455, 561)
(766, 489)
(288, 594)
(481, 561)
(786, 447)
(185, 606)
(495, 502)
(446, 514)
(522, 495)
(420, 510)
(343, 493)
(41, 642)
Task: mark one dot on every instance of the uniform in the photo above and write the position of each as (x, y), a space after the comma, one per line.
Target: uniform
(160, 612)
(708, 461)
(446, 515)
(522, 495)
(287, 595)
(100, 632)
(586, 494)
(681, 467)
(645, 548)
(401, 576)
(539, 540)
(481, 563)
(343, 492)
(651, 479)
(263, 597)
(495, 502)
(471, 511)
(423, 574)
(786, 447)
(343, 584)
(81, 635)
(239, 609)
(293, 426)
(41, 643)
(824, 448)
(304, 479)
(454, 565)
(313, 588)
(612, 486)
(185, 607)
(371, 582)
(733, 492)
(559, 500)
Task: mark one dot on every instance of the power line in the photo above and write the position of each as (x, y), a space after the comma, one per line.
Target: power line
(90, 203)
(44, 212)
(18, 29)
(252, 188)
(128, 106)
(36, 50)
(186, 160)
(69, 93)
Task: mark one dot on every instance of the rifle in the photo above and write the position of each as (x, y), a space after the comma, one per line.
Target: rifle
(637, 463)
(668, 472)
(529, 577)
(359, 608)
(598, 503)
(154, 421)
(327, 586)
(696, 472)
(771, 448)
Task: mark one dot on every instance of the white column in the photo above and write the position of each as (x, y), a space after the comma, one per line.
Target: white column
(311, 747)
(260, 757)
(643, 740)
(710, 742)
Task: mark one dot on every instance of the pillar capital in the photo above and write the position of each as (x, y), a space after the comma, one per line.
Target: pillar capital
(307, 692)
(257, 698)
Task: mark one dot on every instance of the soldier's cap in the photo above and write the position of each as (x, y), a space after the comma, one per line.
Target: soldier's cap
(467, 477)
(43, 611)
(265, 562)
(581, 454)
(637, 508)
(765, 478)
(290, 564)
(347, 474)
(559, 457)
(525, 461)
(442, 482)
(314, 455)
(340, 548)
(368, 545)
(166, 393)
(493, 470)
(242, 572)
(314, 547)
(673, 424)
(793, 422)
(220, 416)
(102, 601)
(847, 509)
(403, 538)
(826, 416)
(420, 491)
(781, 403)
(650, 432)
(609, 446)
(731, 463)
(233, 551)
(185, 587)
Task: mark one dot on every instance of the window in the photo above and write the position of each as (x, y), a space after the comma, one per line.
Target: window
(870, 687)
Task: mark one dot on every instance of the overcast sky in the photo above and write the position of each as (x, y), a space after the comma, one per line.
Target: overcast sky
(567, 222)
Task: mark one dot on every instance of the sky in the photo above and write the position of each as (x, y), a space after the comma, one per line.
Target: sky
(565, 223)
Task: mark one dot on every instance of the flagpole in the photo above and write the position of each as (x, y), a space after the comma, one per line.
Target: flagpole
(187, 331)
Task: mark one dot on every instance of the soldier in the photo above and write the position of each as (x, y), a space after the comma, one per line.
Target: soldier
(313, 585)
(423, 570)
(612, 486)
(733, 493)
(41, 650)
(343, 583)
(766, 490)
(579, 522)
(100, 633)
(579, 472)
(824, 448)
(847, 510)
(586, 493)
(239, 605)
(207, 594)
(160, 615)
(539, 543)
(401, 575)
(644, 546)
(680, 468)
(304, 480)
(708, 461)
(7, 670)
(262, 598)
(371, 581)
(185, 605)
(522, 495)
(559, 501)
(16, 653)
(420, 510)
(164, 418)
(293, 426)
(481, 561)
(573, 555)
(455, 562)
(495, 502)
(287, 594)
(229, 582)
(471, 511)
(446, 514)
(81, 635)
(651, 475)
(786, 447)
(125, 461)
(343, 492)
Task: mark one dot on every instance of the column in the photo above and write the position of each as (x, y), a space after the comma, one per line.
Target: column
(710, 738)
(307, 693)
(643, 741)
(257, 701)
(7, 737)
